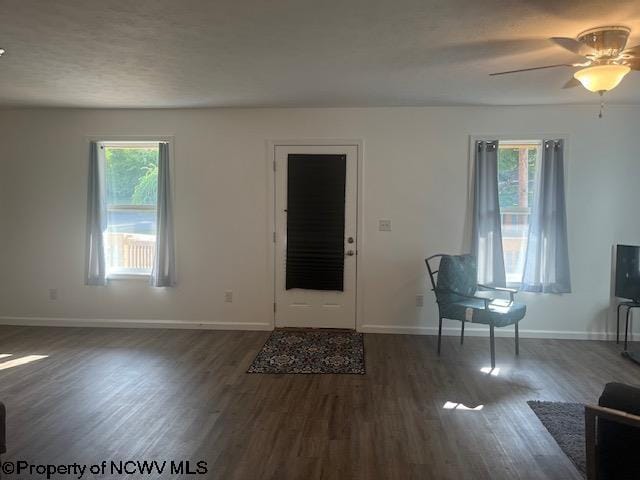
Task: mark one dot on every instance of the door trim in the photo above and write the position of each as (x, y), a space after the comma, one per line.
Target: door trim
(271, 214)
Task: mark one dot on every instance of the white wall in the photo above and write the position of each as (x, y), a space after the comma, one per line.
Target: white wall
(415, 173)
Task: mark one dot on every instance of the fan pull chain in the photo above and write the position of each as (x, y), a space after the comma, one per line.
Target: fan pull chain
(601, 104)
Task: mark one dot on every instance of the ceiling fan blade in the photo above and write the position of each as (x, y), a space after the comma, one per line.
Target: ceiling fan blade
(634, 51)
(532, 68)
(573, 45)
(571, 83)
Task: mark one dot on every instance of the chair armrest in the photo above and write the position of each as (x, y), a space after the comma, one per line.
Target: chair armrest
(613, 415)
(511, 291)
(499, 289)
(591, 412)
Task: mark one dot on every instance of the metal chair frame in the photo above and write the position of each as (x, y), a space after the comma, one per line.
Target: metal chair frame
(486, 301)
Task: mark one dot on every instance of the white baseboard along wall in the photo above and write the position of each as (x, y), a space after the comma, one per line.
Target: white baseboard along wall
(475, 331)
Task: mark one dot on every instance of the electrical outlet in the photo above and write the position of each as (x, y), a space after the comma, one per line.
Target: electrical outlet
(53, 294)
(228, 296)
(384, 225)
(419, 300)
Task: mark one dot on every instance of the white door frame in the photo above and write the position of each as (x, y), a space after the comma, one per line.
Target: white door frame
(271, 215)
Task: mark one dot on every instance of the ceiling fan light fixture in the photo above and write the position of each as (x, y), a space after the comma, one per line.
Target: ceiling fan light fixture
(601, 78)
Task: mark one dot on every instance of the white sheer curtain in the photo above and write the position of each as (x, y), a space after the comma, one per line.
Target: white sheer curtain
(547, 263)
(96, 218)
(164, 265)
(487, 229)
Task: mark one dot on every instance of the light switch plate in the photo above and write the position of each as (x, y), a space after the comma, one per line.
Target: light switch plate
(384, 225)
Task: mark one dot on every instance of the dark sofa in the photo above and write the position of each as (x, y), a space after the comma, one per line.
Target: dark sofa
(613, 434)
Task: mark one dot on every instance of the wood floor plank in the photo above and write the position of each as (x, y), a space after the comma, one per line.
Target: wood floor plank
(129, 394)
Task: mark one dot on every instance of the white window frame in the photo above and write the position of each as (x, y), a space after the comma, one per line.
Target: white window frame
(137, 141)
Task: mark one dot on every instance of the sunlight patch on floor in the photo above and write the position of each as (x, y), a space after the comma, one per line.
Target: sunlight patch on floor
(461, 406)
(20, 361)
(491, 371)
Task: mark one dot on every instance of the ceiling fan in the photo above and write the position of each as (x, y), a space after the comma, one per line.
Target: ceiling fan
(606, 58)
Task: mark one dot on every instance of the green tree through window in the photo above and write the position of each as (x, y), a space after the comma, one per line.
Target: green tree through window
(146, 190)
(132, 175)
(508, 179)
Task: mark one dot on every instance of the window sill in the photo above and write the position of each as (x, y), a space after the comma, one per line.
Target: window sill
(129, 276)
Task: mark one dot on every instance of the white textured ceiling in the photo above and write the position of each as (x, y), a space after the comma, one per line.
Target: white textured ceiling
(194, 53)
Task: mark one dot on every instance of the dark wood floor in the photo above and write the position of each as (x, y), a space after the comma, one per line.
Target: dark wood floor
(125, 394)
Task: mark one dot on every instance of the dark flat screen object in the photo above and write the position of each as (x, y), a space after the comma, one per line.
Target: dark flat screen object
(628, 272)
(315, 221)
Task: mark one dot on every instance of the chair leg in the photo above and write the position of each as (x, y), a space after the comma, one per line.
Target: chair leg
(492, 339)
(462, 334)
(439, 335)
(517, 340)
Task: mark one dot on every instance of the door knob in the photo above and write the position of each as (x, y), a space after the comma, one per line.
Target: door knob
(350, 253)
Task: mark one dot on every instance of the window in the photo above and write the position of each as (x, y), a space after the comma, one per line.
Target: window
(517, 164)
(131, 174)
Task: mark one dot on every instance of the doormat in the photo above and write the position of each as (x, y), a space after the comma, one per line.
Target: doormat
(311, 351)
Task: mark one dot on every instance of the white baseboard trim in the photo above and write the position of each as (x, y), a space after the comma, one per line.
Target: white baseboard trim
(126, 323)
(477, 331)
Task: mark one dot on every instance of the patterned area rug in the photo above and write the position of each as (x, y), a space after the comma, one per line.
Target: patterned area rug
(565, 423)
(311, 351)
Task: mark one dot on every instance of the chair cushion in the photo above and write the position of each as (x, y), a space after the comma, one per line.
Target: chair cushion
(456, 274)
(501, 314)
(618, 444)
